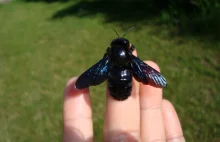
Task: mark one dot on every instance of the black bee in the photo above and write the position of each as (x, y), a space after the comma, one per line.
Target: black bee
(118, 66)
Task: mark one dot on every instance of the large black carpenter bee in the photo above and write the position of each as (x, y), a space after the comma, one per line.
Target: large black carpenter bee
(118, 66)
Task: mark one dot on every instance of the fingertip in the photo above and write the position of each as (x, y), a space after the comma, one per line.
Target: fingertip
(167, 104)
(172, 124)
(148, 89)
(71, 90)
(71, 80)
(167, 107)
(70, 86)
(153, 65)
(150, 95)
(134, 52)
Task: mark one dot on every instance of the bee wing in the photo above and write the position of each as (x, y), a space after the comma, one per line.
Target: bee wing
(94, 75)
(146, 74)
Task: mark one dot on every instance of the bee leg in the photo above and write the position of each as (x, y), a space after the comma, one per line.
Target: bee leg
(108, 50)
(132, 48)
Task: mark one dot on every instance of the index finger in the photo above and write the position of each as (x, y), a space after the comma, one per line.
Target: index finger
(77, 114)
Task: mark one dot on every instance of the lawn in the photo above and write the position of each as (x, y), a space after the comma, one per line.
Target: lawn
(42, 46)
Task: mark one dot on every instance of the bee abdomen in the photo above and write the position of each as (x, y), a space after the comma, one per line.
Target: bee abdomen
(120, 83)
(120, 93)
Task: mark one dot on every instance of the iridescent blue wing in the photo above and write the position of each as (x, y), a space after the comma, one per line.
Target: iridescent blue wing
(94, 75)
(146, 74)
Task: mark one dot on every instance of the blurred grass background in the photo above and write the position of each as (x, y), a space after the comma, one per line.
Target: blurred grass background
(44, 43)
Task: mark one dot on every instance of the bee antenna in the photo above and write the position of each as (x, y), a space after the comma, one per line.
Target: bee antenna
(128, 31)
(116, 32)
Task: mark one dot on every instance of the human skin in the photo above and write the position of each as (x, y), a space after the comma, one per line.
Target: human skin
(145, 116)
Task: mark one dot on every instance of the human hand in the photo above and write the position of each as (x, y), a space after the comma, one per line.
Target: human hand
(144, 116)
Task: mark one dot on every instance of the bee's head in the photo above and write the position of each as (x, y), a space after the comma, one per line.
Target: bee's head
(119, 51)
(120, 42)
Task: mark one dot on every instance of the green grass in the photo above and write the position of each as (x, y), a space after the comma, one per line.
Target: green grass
(38, 55)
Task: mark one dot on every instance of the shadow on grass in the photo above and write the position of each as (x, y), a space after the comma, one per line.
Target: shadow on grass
(46, 1)
(202, 25)
(115, 11)
(184, 17)
(145, 12)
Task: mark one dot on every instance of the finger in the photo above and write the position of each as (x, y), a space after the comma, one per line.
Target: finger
(152, 126)
(172, 125)
(122, 118)
(77, 114)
